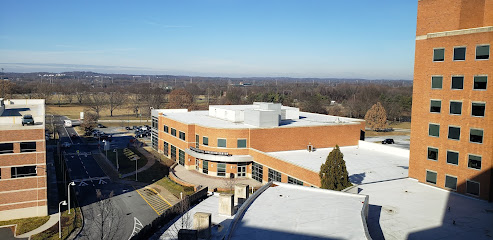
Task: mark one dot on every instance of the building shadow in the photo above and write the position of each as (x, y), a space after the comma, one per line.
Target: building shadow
(14, 112)
(465, 216)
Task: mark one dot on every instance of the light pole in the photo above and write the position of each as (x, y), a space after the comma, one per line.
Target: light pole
(135, 168)
(68, 189)
(117, 166)
(60, 217)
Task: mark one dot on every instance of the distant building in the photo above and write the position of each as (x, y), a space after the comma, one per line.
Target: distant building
(22, 159)
(240, 140)
(452, 122)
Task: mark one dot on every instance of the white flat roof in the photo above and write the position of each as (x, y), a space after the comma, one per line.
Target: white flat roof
(11, 117)
(363, 165)
(202, 118)
(285, 211)
(407, 209)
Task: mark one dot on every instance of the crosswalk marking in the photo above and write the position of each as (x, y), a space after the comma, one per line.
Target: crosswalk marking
(82, 184)
(137, 227)
(154, 200)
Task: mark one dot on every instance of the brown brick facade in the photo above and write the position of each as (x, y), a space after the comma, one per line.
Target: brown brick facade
(439, 16)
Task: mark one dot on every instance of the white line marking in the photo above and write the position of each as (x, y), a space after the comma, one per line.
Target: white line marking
(137, 226)
(68, 135)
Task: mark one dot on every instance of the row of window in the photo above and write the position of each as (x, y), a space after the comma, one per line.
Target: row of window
(273, 175)
(24, 147)
(457, 82)
(473, 161)
(19, 172)
(221, 142)
(455, 107)
(475, 135)
(472, 187)
(482, 53)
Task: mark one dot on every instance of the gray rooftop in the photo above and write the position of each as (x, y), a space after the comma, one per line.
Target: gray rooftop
(202, 118)
(12, 110)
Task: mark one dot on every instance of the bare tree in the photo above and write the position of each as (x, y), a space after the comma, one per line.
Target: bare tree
(90, 121)
(116, 99)
(230, 183)
(97, 102)
(103, 219)
(180, 98)
(185, 221)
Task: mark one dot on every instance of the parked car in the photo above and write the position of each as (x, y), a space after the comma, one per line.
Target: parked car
(27, 120)
(101, 125)
(128, 128)
(388, 141)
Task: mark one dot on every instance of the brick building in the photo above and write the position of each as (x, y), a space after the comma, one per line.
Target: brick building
(452, 122)
(235, 140)
(22, 160)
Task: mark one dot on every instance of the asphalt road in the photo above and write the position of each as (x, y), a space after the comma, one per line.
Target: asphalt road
(114, 218)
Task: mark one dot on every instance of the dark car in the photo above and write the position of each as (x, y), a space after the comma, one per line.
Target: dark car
(128, 128)
(27, 120)
(388, 141)
(101, 125)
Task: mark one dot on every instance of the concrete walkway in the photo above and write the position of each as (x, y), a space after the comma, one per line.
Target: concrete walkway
(196, 178)
(150, 161)
(52, 221)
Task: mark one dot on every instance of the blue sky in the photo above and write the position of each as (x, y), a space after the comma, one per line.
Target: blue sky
(304, 38)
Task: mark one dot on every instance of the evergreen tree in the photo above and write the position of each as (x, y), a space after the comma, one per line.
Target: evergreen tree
(376, 117)
(333, 173)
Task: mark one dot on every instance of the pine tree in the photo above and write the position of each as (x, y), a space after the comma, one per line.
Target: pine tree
(376, 117)
(333, 173)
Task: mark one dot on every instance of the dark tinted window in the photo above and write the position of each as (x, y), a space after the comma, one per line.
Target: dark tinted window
(453, 157)
(28, 146)
(6, 148)
(483, 52)
(25, 171)
(433, 153)
(454, 133)
(474, 162)
(458, 82)
(436, 82)
(431, 177)
(480, 82)
(476, 135)
(478, 109)
(438, 54)
(205, 141)
(472, 188)
(451, 182)
(435, 106)
(455, 108)
(434, 130)
(459, 53)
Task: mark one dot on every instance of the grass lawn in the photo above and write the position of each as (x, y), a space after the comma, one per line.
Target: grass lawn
(127, 165)
(69, 223)
(73, 112)
(370, 133)
(25, 225)
(174, 187)
(152, 174)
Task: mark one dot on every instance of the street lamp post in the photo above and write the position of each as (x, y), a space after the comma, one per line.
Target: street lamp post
(60, 217)
(117, 166)
(68, 189)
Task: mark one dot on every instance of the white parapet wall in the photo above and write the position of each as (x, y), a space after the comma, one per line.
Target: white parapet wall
(384, 148)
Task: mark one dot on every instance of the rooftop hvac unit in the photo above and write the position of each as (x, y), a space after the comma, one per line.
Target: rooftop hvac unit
(310, 148)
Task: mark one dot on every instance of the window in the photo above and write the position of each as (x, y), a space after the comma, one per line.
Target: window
(480, 82)
(6, 148)
(205, 167)
(436, 82)
(26, 171)
(439, 54)
(434, 130)
(181, 157)
(197, 162)
(28, 146)
(197, 139)
(257, 172)
(432, 153)
(165, 148)
(435, 106)
(182, 135)
(477, 109)
(205, 141)
(476, 135)
(166, 129)
(458, 82)
(459, 53)
(474, 162)
(453, 157)
(450, 182)
(294, 181)
(274, 175)
(154, 140)
(472, 188)
(482, 52)
(173, 132)
(221, 169)
(173, 152)
(454, 133)
(455, 107)
(431, 177)
(242, 143)
(154, 123)
(221, 142)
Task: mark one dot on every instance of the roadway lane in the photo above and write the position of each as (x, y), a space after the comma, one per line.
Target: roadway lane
(124, 207)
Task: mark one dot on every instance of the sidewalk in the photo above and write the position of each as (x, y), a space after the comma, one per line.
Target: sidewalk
(195, 178)
(52, 221)
(150, 161)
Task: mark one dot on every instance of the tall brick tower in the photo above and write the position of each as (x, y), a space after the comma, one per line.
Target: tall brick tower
(452, 115)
